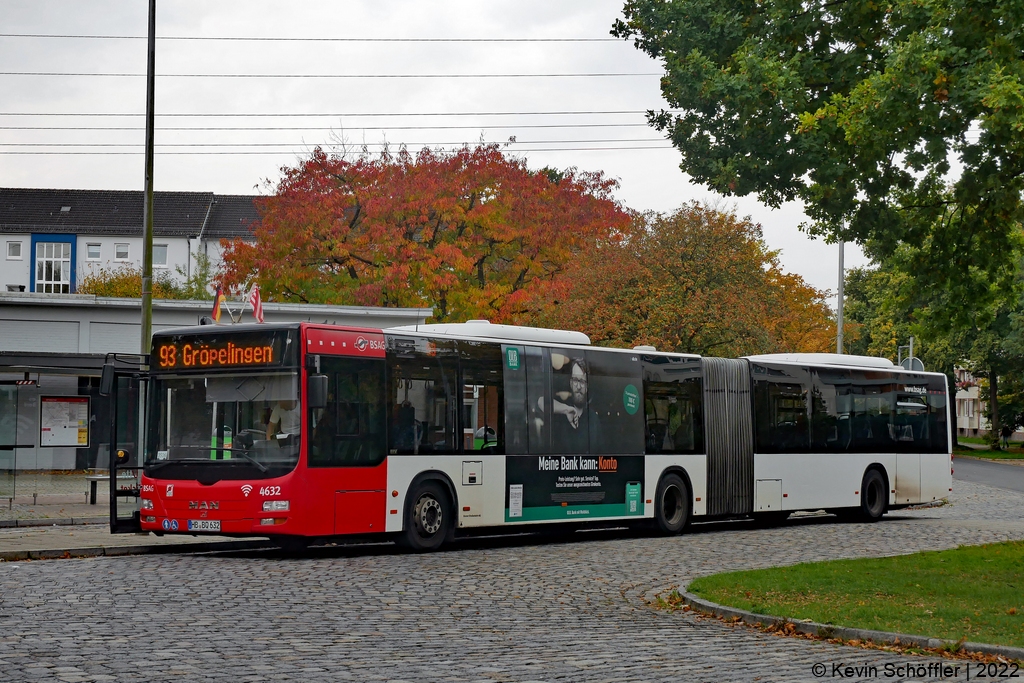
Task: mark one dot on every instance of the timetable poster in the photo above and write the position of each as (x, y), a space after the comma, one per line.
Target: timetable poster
(567, 487)
(64, 421)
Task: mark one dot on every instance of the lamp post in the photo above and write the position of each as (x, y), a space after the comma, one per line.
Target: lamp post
(839, 307)
(147, 207)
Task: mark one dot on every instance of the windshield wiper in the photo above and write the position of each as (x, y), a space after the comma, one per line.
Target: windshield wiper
(155, 465)
(196, 461)
(259, 465)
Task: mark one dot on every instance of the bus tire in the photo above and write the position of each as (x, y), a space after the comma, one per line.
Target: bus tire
(428, 518)
(873, 498)
(672, 505)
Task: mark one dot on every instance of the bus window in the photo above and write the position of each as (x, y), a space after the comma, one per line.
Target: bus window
(517, 419)
(349, 432)
(422, 398)
(781, 409)
(614, 402)
(483, 425)
(673, 417)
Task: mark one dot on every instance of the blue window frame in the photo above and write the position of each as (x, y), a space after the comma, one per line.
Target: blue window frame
(53, 264)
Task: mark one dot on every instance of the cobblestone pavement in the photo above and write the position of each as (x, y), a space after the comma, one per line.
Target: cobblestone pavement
(512, 609)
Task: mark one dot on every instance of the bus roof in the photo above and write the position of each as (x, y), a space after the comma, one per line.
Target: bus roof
(834, 360)
(483, 329)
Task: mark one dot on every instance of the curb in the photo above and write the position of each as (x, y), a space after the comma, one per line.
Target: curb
(1013, 462)
(114, 551)
(847, 633)
(56, 521)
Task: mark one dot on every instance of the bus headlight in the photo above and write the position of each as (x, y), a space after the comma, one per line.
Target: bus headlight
(275, 506)
(147, 504)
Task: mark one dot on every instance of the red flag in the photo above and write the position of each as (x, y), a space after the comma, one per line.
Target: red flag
(218, 299)
(257, 305)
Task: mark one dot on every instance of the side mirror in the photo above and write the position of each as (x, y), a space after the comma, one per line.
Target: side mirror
(316, 391)
(123, 456)
(107, 380)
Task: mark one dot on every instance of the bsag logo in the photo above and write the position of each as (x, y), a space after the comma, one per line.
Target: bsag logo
(361, 344)
(170, 491)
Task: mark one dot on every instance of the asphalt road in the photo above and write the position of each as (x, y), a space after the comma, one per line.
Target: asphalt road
(997, 474)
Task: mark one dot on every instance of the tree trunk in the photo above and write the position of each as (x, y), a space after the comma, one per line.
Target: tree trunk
(993, 411)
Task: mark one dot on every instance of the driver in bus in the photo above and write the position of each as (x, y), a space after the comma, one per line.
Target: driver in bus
(285, 420)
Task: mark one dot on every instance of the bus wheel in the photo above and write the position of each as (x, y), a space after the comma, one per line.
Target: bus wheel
(873, 500)
(428, 518)
(672, 504)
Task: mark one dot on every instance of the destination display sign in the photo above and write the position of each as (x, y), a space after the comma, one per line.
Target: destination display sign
(224, 350)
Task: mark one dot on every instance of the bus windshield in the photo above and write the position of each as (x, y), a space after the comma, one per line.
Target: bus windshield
(217, 427)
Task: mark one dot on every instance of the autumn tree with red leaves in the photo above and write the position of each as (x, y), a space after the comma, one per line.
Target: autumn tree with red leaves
(471, 233)
(698, 280)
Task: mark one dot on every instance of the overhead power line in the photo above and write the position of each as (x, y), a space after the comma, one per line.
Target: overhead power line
(78, 74)
(330, 144)
(337, 115)
(285, 39)
(267, 153)
(342, 128)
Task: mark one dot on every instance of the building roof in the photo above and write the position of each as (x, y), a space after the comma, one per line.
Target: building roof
(119, 212)
(231, 215)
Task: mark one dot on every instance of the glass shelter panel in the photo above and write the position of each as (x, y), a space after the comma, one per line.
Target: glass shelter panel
(8, 439)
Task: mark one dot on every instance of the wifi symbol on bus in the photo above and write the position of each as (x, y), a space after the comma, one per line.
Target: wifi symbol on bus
(246, 489)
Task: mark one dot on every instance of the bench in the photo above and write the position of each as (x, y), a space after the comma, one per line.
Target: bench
(94, 479)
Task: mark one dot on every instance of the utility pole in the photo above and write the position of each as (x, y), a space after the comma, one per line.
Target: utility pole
(839, 307)
(147, 208)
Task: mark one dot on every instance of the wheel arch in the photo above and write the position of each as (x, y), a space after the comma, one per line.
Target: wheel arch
(885, 477)
(446, 483)
(681, 471)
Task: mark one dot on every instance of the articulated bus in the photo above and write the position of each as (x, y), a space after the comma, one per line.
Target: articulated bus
(305, 432)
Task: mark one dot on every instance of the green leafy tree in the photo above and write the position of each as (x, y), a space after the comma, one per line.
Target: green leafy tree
(887, 306)
(697, 280)
(896, 122)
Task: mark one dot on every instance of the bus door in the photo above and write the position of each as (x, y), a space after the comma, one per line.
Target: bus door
(346, 431)
(125, 391)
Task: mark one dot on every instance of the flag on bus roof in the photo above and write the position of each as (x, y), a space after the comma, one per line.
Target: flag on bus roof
(256, 303)
(218, 299)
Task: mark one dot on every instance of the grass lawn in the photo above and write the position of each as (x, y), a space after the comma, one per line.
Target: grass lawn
(971, 593)
(1011, 454)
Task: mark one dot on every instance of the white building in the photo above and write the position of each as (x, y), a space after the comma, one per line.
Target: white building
(969, 418)
(54, 238)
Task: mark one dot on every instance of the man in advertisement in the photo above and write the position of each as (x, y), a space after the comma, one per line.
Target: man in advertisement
(569, 408)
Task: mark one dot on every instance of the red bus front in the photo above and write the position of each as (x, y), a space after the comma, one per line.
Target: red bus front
(234, 446)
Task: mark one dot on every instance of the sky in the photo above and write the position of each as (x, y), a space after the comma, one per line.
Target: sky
(446, 104)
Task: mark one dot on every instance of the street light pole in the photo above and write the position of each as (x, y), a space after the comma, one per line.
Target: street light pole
(147, 209)
(839, 307)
